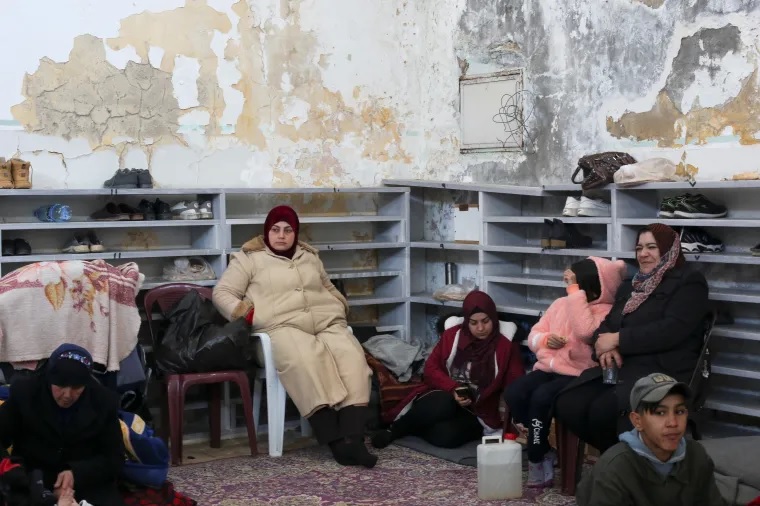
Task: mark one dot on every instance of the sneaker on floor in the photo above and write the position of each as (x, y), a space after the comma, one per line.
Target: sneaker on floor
(697, 240)
(206, 210)
(593, 208)
(698, 206)
(185, 211)
(668, 205)
(571, 207)
(536, 475)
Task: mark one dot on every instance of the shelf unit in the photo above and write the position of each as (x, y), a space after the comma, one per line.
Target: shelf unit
(362, 235)
(524, 279)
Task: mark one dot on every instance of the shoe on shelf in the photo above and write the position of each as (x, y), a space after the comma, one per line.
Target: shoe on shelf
(593, 208)
(163, 210)
(147, 210)
(77, 244)
(546, 234)
(668, 205)
(185, 210)
(571, 207)
(21, 247)
(699, 207)
(122, 178)
(8, 249)
(110, 212)
(566, 235)
(21, 170)
(6, 179)
(55, 213)
(205, 210)
(144, 179)
(133, 213)
(94, 242)
(696, 240)
(755, 250)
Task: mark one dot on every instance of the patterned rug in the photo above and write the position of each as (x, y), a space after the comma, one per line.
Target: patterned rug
(309, 477)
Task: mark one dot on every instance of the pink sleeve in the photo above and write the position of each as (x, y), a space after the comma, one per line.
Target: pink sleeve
(585, 317)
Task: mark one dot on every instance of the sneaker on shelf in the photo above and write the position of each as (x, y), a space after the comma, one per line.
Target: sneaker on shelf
(698, 206)
(21, 247)
(77, 244)
(144, 179)
(696, 240)
(133, 213)
(122, 178)
(94, 242)
(110, 212)
(8, 250)
(147, 209)
(668, 205)
(162, 209)
(571, 207)
(188, 269)
(593, 208)
(185, 210)
(205, 210)
(755, 250)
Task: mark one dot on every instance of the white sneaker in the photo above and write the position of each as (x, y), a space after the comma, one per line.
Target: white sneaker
(571, 207)
(593, 208)
(185, 211)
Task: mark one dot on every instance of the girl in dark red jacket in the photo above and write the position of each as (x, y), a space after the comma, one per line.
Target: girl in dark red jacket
(464, 378)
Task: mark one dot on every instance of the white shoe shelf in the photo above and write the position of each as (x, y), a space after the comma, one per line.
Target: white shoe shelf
(524, 278)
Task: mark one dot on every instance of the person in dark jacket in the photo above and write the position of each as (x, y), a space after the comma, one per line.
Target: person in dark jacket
(655, 325)
(64, 423)
(653, 464)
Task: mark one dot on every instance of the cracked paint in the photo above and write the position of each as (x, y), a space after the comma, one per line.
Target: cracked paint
(89, 97)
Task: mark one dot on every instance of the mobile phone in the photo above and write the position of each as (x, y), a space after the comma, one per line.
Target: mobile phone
(463, 392)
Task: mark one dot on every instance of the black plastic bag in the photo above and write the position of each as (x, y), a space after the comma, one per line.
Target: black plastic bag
(199, 339)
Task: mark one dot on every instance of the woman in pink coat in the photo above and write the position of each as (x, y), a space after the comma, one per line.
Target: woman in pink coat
(561, 342)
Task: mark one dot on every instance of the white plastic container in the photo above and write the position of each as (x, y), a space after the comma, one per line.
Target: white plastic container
(499, 468)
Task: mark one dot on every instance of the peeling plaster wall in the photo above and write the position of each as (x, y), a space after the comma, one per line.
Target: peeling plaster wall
(346, 92)
(651, 77)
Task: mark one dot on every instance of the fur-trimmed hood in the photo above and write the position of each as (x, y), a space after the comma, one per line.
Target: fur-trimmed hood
(257, 244)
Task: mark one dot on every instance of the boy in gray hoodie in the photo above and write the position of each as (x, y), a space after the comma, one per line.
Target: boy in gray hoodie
(653, 465)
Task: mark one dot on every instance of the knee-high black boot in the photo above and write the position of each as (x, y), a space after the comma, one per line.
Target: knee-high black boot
(352, 422)
(326, 427)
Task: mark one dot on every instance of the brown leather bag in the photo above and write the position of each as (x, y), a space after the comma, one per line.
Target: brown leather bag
(599, 169)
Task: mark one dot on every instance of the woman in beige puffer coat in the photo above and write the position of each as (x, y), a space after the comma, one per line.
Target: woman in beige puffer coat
(318, 360)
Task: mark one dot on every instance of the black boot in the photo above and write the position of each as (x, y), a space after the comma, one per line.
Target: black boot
(352, 422)
(546, 234)
(327, 430)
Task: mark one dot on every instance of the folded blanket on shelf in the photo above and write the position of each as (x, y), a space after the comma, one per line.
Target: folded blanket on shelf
(91, 304)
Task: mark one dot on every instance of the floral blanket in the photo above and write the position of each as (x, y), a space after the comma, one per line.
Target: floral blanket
(91, 304)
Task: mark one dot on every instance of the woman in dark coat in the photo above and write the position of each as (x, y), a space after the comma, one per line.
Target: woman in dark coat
(64, 423)
(655, 325)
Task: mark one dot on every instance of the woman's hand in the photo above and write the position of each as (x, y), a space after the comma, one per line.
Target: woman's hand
(606, 342)
(63, 483)
(606, 360)
(555, 342)
(569, 277)
(462, 401)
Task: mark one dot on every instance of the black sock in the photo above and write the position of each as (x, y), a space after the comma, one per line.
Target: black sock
(360, 453)
(382, 438)
(342, 453)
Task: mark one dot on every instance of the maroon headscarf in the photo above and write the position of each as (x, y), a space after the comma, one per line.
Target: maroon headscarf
(479, 352)
(276, 215)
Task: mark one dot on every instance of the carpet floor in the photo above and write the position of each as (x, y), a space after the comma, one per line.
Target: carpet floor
(309, 477)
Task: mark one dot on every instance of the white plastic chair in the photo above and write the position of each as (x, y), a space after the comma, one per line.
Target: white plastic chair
(276, 397)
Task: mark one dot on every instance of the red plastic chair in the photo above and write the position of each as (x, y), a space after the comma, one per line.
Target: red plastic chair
(177, 385)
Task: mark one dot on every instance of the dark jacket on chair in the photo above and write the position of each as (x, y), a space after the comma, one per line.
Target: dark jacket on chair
(664, 334)
(86, 440)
